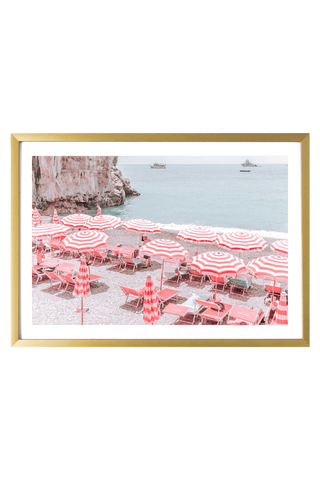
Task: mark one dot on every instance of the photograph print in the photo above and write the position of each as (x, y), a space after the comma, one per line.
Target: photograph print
(160, 240)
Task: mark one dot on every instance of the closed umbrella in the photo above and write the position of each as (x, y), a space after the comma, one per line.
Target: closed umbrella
(103, 222)
(36, 218)
(198, 235)
(76, 220)
(219, 264)
(244, 241)
(280, 246)
(281, 315)
(151, 309)
(55, 217)
(82, 286)
(165, 249)
(272, 267)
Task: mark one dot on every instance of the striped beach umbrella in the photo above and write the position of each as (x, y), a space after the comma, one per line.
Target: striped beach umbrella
(280, 246)
(103, 222)
(50, 230)
(98, 210)
(198, 235)
(151, 309)
(271, 267)
(281, 315)
(55, 217)
(166, 249)
(76, 220)
(244, 241)
(143, 226)
(85, 241)
(82, 286)
(36, 218)
(220, 264)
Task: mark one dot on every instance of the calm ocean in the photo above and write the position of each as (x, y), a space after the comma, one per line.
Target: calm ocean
(218, 196)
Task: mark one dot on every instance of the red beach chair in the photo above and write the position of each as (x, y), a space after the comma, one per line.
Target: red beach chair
(165, 295)
(193, 273)
(138, 293)
(54, 278)
(213, 312)
(37, 275)
(131, 262)
(69, 281)
(222, 282)
(102, 256)
(93, 278)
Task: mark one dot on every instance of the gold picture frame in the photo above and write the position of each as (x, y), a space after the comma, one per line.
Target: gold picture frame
(16, 139)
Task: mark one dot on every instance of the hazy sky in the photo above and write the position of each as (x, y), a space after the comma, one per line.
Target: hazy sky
(200, 160)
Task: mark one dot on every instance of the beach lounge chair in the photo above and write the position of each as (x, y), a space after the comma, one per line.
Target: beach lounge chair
(38, 275)
(186, 308)
(53, 277)
(138, 293)
(93, 278)
(165, 295)
(114, 258)
(270, 313)
(193, 274)
(237, 283)
(212, 311)
(257, 321)
(68, 280)
(178, 271)
(277, 291)
(221, 282)
(99, 255)
(131, 262)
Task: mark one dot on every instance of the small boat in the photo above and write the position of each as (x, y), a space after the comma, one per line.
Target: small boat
(245, 170)
(158, 165)
(248, 164)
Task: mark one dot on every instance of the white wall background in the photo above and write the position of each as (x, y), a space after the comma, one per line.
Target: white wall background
(168, 66)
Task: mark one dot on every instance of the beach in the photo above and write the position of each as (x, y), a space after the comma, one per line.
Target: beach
(106, 303)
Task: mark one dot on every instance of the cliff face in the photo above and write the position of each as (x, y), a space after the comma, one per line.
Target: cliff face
(76, 184)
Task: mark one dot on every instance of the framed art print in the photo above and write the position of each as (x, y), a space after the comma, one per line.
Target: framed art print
(160, 240)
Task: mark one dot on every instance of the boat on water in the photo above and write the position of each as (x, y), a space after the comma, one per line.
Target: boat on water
(158, 165)
(245, 170)
(248, 164)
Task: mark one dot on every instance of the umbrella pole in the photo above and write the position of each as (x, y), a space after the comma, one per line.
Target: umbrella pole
(81, 310)
(161, 274)
(274, 284)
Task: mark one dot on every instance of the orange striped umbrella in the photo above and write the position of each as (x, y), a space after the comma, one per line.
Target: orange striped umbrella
(281, 315)
(55, 217)
(151, 309)
(82, 286)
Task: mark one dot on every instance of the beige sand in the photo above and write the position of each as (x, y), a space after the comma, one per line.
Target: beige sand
(107, 302)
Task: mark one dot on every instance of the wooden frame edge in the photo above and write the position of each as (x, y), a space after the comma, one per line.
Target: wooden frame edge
(302, 138)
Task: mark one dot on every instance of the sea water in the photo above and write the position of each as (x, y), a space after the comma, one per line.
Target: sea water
(218, 196)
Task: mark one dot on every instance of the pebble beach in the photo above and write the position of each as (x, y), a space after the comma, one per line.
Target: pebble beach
(106, 303)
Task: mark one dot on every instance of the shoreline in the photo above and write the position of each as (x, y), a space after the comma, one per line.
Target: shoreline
(173, 227)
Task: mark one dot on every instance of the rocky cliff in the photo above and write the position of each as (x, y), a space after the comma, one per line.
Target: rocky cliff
(76, 184)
